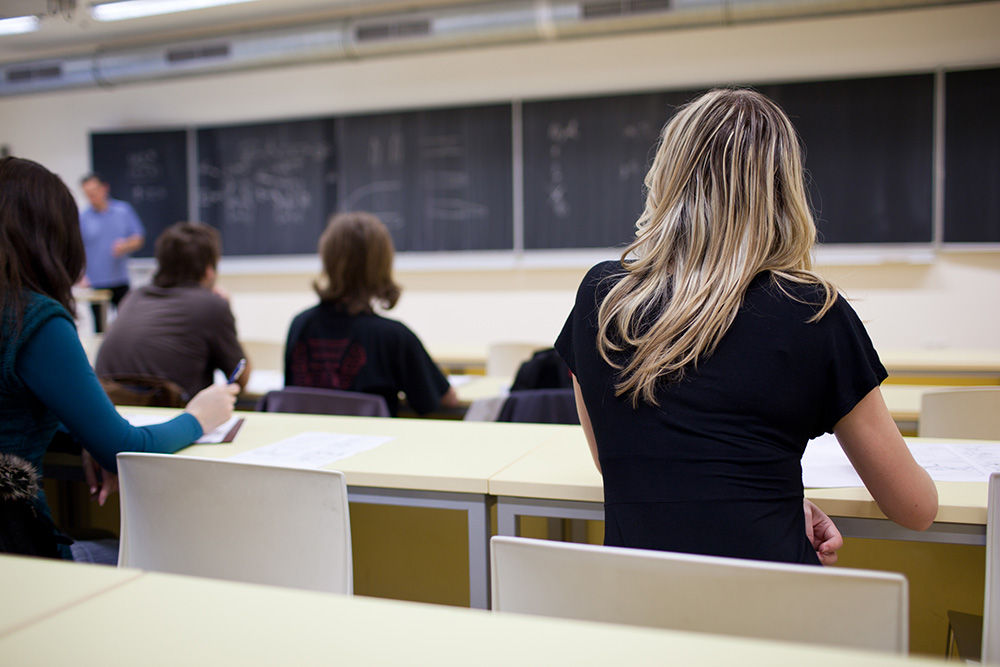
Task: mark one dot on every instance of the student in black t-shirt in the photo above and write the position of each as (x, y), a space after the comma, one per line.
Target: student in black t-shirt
(342, 343)
(711, 353)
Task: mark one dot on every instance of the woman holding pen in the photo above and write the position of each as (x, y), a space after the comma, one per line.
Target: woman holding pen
(46, 382)
(711, 353)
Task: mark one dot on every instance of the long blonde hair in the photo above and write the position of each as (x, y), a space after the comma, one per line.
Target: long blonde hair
(726, 200)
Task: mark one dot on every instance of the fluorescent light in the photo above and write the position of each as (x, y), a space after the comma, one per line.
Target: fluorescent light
(18, 25)
(134, 9)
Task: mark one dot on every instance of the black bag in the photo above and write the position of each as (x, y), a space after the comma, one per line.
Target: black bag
(25, 528)
(545, 370)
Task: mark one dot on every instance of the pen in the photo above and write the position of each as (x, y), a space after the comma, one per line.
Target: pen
(238, 371)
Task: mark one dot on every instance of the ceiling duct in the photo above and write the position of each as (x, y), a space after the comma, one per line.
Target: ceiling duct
(461, 26)
(276, 47)
(43, 76)
(444, 28)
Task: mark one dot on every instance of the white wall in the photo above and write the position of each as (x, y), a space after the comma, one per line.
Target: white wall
(951, 301)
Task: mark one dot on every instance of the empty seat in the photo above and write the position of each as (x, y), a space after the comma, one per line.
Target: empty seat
(806, 603)
(238, 521)
(309, 400)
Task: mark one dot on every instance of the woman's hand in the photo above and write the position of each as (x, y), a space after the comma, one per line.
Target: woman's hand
(822, 533)
(213, 406)
(100, 482)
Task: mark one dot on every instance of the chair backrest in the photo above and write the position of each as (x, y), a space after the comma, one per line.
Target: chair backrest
(836, 606)
(309, 400)
(238, 521)
(972, 412)
(991, 599)
(144, 390)
(540, 406)
(503, 359)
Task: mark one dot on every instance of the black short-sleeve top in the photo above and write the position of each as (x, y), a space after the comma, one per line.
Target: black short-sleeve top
(715, 468)
(368, 353)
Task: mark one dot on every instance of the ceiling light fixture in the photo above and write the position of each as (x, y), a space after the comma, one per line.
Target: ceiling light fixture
(19, 25)
(134, 9)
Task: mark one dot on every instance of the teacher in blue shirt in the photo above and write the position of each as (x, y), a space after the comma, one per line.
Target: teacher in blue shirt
(111, 232)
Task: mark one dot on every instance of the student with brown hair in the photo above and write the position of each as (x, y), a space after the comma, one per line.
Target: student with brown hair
(342, 343)
(46, 381)
(708, 356)
(180, 327)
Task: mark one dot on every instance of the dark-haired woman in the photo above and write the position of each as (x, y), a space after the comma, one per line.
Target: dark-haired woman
(342, 343)
(45, 378)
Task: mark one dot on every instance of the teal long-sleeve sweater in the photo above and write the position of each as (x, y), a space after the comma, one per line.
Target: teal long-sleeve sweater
(46, 380)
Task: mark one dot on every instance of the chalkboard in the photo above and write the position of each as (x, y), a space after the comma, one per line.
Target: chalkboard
(584, 165)
(268, 188)
(869, 154)
(148, 170)
(439, 179)
(972, 157)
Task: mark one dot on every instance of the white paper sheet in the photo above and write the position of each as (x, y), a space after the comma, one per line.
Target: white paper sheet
(212, 437)
(825, 464)
(311, 450)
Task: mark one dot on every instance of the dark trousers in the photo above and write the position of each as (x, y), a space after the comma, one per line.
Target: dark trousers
(118, 292)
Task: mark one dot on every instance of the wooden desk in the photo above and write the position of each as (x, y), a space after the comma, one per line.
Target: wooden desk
(429, 463)
(101, 298)
(159, 619)
(460, 359)
(942, 366)
(37, 588)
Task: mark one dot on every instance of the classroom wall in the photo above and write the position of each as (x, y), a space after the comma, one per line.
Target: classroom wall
(949, 300)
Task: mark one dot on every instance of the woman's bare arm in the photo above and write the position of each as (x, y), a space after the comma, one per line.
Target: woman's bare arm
(903, 490)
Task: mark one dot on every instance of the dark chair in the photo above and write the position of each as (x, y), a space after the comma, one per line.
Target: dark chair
(540, 406)
(143, 390)
(309, 400)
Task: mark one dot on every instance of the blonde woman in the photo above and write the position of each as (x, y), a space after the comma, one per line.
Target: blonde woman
(706, 359)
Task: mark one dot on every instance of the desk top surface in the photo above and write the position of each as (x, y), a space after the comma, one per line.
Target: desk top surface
(26, 599)
(424, 454)
(159, 619)
(942, 361)
(562, 469)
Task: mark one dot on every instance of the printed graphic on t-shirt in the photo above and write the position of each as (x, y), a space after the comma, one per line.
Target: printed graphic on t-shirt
(331, 364)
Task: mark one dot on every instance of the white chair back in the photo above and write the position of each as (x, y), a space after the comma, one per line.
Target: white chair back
(238, 521)
(836, 606)
(991, 604)
(972, 412)
(504, 359)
